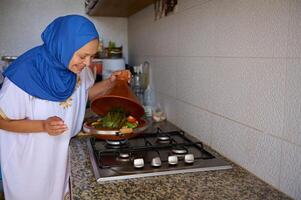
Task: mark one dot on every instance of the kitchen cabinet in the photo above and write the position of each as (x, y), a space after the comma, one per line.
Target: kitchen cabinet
(115, 8)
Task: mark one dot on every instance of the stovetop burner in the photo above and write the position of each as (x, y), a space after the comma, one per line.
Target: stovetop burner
(163, 138)
(151, 154)
(179, 150)
(116, 144)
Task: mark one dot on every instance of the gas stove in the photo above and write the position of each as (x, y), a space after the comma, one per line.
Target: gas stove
(151, 154)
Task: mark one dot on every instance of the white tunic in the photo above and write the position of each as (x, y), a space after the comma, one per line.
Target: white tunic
(35, 165)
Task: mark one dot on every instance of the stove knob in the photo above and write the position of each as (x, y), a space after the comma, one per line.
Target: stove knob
(189, 158)
(138, 163)
(173, 160)
(156, 162)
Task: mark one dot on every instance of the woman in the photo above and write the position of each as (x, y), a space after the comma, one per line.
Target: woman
(43, 100)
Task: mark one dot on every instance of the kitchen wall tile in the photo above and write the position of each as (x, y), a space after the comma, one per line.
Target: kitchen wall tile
(265, 156)
(195, 121)
(143, 41)
(149, 43)
(253, 150)
(204, 126)
(251, 91)
(292, 125)
(186, 117)
(168, 105)
(135, 36)
(194, 80)
(294, 39)
(188, 4)
(229, 82)
(136, 60)
(257, 28)
(231, 139)
(196, 29)
(142, 18)
(290, 177)
(165, 36)
(164, 71)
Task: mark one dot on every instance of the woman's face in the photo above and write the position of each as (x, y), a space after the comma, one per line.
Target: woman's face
(83, 56)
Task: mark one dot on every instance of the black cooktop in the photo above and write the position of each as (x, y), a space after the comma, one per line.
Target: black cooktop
(151, 154)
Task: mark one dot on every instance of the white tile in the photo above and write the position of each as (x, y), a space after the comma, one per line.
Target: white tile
(188, 4)
(148, 44)
(292, 128)
(134, 41)
(165, 75)
(204, 127)
(253, 150)
(230, 139)
(165, 36)
(186, 117)
(136, 60)
(251, 91)
(169, 106)
(257, 28)
(142, 32)
(143, 17)
(194, 79)
(294, 40)
(195, 121)
(196, 29)
(290, 177)
(264, 157)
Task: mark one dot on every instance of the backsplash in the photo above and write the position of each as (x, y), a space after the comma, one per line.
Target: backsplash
(228, 72)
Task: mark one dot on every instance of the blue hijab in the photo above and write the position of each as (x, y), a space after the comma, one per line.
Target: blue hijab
(43, 71)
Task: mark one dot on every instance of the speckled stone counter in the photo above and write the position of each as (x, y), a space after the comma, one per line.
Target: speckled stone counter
(234, 183)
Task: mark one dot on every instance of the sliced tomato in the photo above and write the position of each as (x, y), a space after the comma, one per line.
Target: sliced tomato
(131, 119)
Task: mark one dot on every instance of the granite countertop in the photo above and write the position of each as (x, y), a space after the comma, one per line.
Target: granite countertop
(235, 183)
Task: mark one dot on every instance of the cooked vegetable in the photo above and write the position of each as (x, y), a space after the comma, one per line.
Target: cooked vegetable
(126, 130)
(116, 119)
(131, 125)
(131, 119)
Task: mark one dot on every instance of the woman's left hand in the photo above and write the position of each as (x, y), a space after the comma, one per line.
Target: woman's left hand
(121, 75)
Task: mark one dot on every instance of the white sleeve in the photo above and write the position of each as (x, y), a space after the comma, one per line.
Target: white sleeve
(14, 102)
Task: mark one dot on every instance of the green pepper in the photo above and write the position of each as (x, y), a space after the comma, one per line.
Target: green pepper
(131, 125)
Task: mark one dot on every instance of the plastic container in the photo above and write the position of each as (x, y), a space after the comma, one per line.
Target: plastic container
(149, 101)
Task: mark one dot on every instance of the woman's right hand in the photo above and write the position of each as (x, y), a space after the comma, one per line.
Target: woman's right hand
(55, 126)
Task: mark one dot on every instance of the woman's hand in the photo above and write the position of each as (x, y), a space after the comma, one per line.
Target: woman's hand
(121, 75)
(54, 126)
(102, 87)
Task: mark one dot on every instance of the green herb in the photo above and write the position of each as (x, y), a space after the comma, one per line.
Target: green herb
(115, 119)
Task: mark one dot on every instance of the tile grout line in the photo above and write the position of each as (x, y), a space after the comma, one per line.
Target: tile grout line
(235, 57)
(225, 117)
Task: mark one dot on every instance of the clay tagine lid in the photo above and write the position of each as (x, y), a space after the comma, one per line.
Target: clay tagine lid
(119, 96)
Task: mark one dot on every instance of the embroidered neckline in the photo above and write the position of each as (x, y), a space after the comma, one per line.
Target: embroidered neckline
(68, 103)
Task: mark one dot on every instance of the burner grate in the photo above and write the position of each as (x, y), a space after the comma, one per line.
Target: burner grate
(144, 156)
(144, 143)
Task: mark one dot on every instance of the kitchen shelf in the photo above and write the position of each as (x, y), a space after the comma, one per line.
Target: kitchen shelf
(115, 8)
